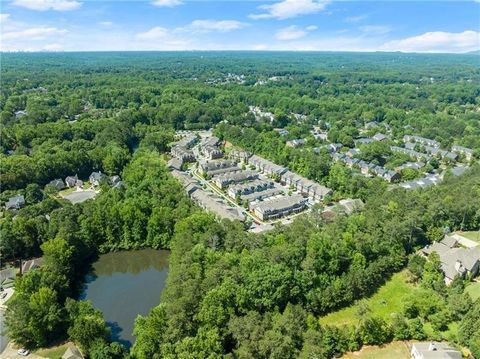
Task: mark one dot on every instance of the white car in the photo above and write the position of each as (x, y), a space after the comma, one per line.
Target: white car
(23, 352)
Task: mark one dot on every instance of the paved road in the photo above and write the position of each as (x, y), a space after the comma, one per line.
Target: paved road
(3, 338)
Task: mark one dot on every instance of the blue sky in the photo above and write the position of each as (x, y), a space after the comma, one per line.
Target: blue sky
(312, 25)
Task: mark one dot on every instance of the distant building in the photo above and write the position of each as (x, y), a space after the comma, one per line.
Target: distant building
(424, 141)
(467, 152)
(363, 141)
(212, 152)
(188, 141)
(296, 143)
(182, 153)
(15, 202)
(20, 114)
(380, 137)
(281, 131)
(72, 181)
(240, 156)
(455, 261)
(96, 178)
(434, 350)
(226, 179)
(72, 353)
(175, 164)
(266, 166)
(114, 180)
(353, 152)
(57, 184)
(249, 187)
(31, 264)
(214, 168)
(280, 207)
(211, 141)
(214, 204)
(350, 205)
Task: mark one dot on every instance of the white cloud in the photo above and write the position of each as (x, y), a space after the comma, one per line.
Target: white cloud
(213, 25)
(167, 3)
(437, 41)
(353, 19)
(290, 8)
(106, 23)
(290, 33)
(4, 17)
(375, 29)
(52, 47)
(155, 33)
(33, 33)
(44, 5)
(293, 32)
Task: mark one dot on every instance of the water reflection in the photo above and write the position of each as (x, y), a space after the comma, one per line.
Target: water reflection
(125, 284)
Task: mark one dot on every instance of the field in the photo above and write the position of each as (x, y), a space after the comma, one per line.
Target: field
(394, 350)
(473, 235)
(388, 299)
(474, 290)
(53, 352)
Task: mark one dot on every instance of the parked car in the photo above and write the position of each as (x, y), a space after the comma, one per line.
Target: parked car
(3, 295)
(23, 352)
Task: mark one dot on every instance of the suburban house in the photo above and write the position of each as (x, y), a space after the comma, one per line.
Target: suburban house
(214, 168)
(467, 152)
(57, 184)
(182, 153)
(188, 141)
(434, 350)
(413, 165)
(31, 264)
(240, 156)
(212, 152)
(20, 114)
(281, 131)
(437, 152)
(114, 181)
(211, 141)
(410, 152)
(215, 205)
(455, 261)
(363, 141)
(334, 147)
(279, 207)
(350, 205)
(379, 137)
(72, 353)
(352, 152)
(175, 164)
(15, 202)
(96, 178)
(71, 181)
(224, 180)
(296, 143)
(424, 141)
(249, 187)
(266, 166)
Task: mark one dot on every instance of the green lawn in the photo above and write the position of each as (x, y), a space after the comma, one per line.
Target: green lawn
(387, 300)
(54, 352)
(394, 350)
(474, 290)
(473, 235)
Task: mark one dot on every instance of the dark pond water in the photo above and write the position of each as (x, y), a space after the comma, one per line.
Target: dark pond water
(124, 285)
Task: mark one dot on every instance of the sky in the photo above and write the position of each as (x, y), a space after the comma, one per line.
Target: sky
(297, 25)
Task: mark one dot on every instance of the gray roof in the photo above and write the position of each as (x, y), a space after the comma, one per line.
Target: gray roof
(175, 163)
(458, 171)
(379, 137)
(72, 353)
(15, 202)
(213, 204)
(280, 203)
(436, 350)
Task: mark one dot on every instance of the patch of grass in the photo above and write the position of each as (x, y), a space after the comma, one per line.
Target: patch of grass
(472, 235)
(473, 289)
(55, 352)
(387, 300)
(397, 350)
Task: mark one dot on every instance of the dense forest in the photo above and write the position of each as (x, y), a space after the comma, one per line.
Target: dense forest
(230, 293)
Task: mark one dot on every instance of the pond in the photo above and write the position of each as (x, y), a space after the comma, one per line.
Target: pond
(125, 284)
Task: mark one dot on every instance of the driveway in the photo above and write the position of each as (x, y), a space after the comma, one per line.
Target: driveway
(11, 353)
(80, 196)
